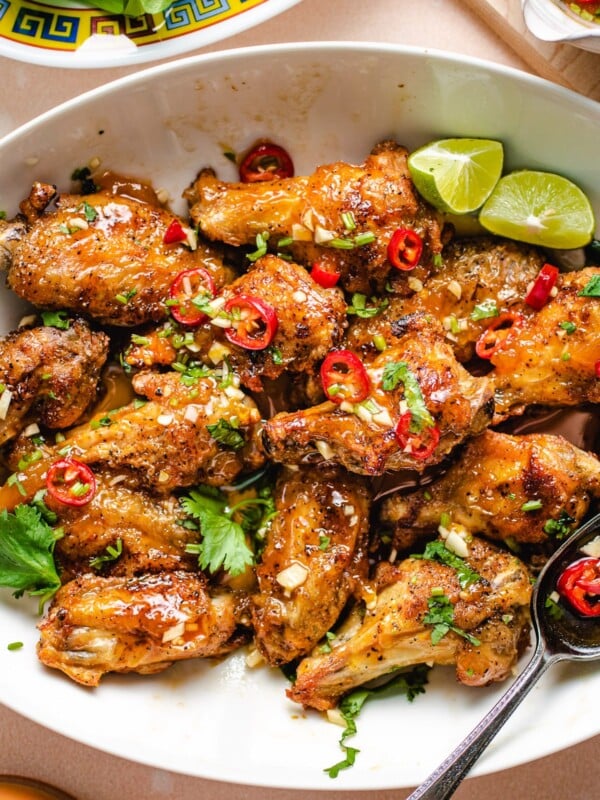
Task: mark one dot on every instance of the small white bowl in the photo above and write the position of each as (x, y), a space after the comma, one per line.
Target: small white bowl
(553, 21)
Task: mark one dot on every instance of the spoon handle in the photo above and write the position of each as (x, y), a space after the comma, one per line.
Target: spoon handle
(442, 783)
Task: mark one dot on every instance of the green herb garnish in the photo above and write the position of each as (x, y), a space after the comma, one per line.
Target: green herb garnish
(437, 551)
(226, 432)
(441, 617)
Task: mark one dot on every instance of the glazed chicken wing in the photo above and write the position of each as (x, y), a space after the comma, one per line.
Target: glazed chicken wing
(362, 437)
(319, 210)
(51, 375)
(97, 625)
(315, 558)
(526, 489)
(103, 256)
(479, 278)
(395, 632)
(552, 357)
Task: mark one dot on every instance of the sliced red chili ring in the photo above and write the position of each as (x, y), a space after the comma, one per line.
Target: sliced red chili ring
(539, 294)
(71, 482)
(253, 322)
(175, 233)
(421, 444)
(344, 377)
(597, 368)
(579, 584)
(495, 335)
(324, 278)
(187, 285)
(405, 249)
(266, 162)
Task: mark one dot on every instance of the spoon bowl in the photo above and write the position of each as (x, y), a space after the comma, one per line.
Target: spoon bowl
(559, 634)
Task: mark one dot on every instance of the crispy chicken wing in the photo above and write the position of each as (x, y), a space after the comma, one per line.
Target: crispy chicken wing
(315, 558)
(378, 196)
(51, 375)
(551, 358)
(104, 256)
(490, 489)
(362, 438)
(394, 632)
(478, 277)
(97, 625)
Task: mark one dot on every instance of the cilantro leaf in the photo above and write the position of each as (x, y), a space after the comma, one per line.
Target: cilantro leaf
(437, 551)
(56, 319)
(396, 372)
(441, 617)
(592, 287)
(26, 553)
(226, 432)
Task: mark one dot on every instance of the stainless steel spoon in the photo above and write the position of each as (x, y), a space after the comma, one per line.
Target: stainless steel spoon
(558, 637)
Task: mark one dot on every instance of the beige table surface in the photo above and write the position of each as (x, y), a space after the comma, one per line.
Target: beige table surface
(28, 749)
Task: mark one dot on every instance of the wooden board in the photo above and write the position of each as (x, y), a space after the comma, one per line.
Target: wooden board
(562, 63)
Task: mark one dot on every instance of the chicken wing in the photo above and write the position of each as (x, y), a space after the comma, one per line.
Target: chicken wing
(526, 489)
(49, 375)
(97, 625)
(315, 558)
(400, 629)
(552, 357)
(104, 256)
(479, 278)
(362, 436)
(339, 202)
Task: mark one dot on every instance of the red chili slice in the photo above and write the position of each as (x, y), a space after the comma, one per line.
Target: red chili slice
(71, 482)
(344, 377)
(496, 335)
(188, 284)
(597, 368)
(324, 278)
(579, 584)
(539, 294)
(266, 162)
(419, 445)
(253, 322)
(174, 233)
(405, 249)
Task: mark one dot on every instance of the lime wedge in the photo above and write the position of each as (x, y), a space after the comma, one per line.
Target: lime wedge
(457, 175)
(539, 208)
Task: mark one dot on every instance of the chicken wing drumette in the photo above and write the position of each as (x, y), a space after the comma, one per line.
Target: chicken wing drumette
(526, 489)
(102, 255)
(398, 630)
(97, 625)
(339, 201)
(380, 434)
(479, 279)
(315, 558)
(49, 375)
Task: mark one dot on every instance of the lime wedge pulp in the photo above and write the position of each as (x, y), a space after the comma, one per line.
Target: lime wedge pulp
(539, 208)
(457, 175)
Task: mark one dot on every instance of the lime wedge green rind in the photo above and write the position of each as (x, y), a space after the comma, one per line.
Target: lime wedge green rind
(457, 175)
(539, 208)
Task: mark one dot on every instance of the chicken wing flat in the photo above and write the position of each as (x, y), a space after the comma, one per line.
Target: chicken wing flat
(97, 625)
(399, 630)
(526, 489)
(315, 558)
(49, 375)
(363, 437)
(339, 202)
(551, 357)
(479, 278)
(104, 256)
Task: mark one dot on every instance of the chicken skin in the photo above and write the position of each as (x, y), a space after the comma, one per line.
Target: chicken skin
(363, 438)
(479, 278)
(51, 375)
(104, 256)
(530, 489)
(551, 358)
(315, 558)
(97, 625)
(395, 632)
(339, 201)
